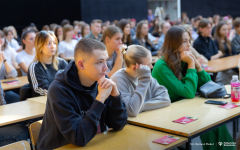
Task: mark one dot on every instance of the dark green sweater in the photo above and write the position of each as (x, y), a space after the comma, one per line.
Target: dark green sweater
(178, 89)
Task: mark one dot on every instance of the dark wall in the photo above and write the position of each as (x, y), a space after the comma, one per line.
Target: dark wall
(20, 13)
(208, 8)
(113, 9)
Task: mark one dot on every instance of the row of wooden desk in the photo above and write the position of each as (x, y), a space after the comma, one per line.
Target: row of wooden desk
(209, 118)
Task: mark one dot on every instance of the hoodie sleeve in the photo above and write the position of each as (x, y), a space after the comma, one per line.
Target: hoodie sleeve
(160, 97)
(116, 113)
(77, 129)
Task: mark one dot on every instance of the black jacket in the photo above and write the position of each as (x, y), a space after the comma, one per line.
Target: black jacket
(152, 48)
(205, 46)
(226, 50)
(73, 114)
(40, 78)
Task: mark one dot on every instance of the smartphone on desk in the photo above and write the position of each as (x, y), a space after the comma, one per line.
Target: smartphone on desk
(216, 102)
(9, 81)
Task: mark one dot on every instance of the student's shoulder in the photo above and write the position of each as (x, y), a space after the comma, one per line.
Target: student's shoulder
(118, 74)
(135, 41)
(61, 61)
(36, 65)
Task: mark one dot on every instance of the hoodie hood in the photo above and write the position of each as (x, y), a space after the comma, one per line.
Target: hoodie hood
(70, 77)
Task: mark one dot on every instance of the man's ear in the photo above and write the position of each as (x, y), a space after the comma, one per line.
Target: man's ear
(134, 67)
(80, 64)
(107, 39)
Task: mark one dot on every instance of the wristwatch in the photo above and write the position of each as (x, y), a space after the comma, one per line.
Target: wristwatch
(5, 60)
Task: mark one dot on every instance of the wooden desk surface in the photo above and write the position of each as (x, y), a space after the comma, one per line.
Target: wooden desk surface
(154, 59)
(23, 80)
(39, 99)
(68, 58)
(20, 111)
(131, 137)
(208, 116)
(223, 64)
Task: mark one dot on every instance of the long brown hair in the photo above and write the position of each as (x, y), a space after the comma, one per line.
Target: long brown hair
(121, 24)
(170, 49)
(217, 37)
(66, 28)
(138, 33)
(82, 29)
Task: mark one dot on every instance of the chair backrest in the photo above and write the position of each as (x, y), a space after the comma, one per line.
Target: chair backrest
(21, 145)
(25, 92)
(34, 130)
(19, 71)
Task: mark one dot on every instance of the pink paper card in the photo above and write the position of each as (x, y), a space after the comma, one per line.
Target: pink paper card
(208, 68)
(14, 82)
(228, 106)
(185, 120)
(167, 139)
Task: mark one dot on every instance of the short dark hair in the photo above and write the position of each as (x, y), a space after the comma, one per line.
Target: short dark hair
(64, 22)
(236, 23)
(86, 46)
(196, 19)
(96, 20)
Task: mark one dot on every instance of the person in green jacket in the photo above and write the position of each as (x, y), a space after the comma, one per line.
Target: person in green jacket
(182, 75)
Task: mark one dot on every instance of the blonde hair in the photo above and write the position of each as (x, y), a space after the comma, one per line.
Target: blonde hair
(134, 55)
(40, 41)
(15, 31)
(66, 28)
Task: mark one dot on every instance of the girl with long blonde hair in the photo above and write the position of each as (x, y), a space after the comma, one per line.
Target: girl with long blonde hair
(42, 70)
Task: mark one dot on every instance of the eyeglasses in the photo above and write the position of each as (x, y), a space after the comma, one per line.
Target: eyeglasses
(45, 32)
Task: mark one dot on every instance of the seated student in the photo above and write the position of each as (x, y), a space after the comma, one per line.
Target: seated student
(66, 47)
(11, 41)
(204, 44)
(139, 90)
(7, 50)
(236, 39)
(7, 71)
(142, 38)
(124, 25)
(25, 57)
(42, 71)
(182, 75)
(58, 33)
(164, 26)
(221, 40)
(224, 44)
(81, 100)
(85, 30)
(15, 35)
(112, 38)
(76, 36)
(95, 30)
(13, 133)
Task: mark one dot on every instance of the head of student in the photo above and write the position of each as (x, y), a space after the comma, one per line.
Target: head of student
(177, 40)
(165, 26)
(28, 38)
(9, 34)
(58, 31)
(91, 59)
(137, 54)
(124, 25)
(67, 32)
(96, 26)
(204, 27)
(236, 24)
(85, 30)
(142, 30)
(46, 47)
(112, 37)
(3, 42)
(221, 33)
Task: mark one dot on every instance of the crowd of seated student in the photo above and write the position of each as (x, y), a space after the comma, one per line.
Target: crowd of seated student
(132, 88)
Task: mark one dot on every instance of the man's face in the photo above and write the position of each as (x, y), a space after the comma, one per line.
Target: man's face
(96, 28)
(95, 65)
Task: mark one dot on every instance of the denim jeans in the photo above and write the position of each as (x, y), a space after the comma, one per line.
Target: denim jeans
(12, 96)
(13, 133)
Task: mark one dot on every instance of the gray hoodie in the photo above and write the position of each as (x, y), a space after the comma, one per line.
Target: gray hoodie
(141, 93)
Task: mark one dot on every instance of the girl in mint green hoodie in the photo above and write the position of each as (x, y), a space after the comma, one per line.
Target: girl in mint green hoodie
(182, 75)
